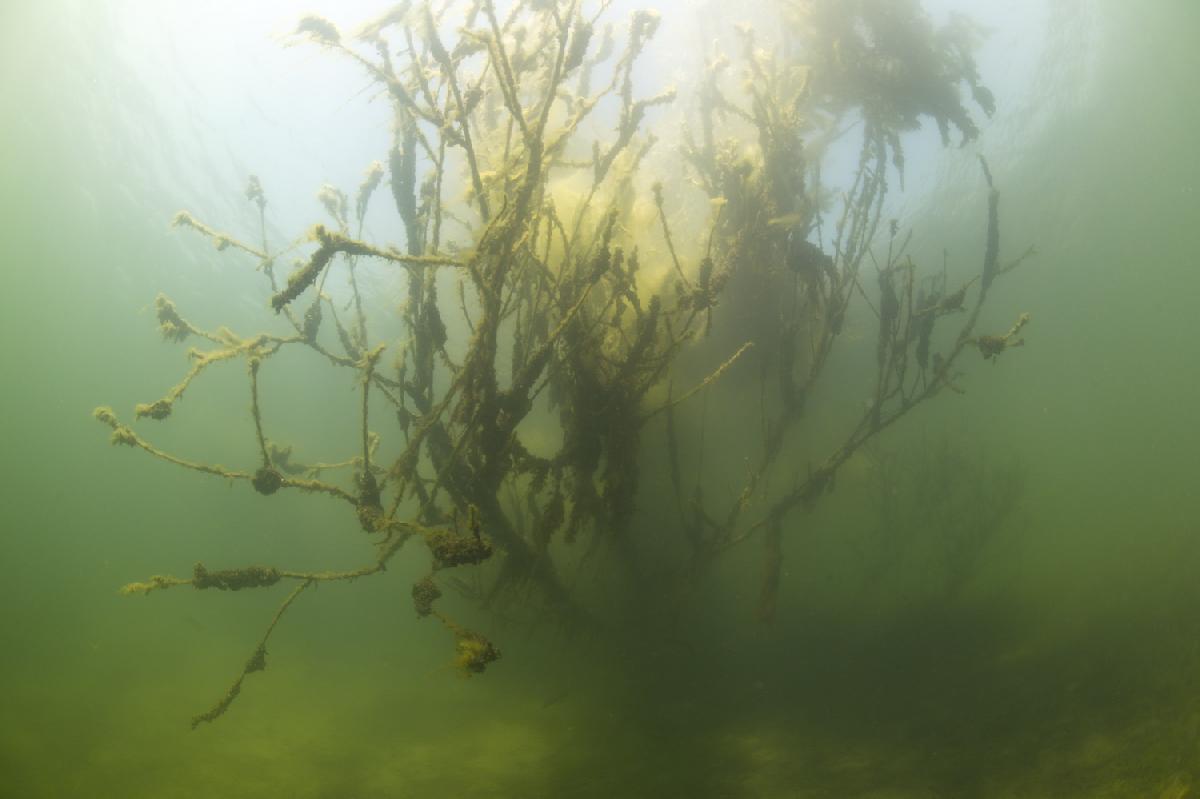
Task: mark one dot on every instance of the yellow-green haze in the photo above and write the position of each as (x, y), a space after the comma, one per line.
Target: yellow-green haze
(997, 597)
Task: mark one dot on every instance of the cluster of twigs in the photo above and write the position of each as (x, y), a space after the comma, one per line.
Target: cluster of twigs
(939, 510)
(552, 317)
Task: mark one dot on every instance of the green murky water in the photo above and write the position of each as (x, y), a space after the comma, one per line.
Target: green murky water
(998, 599)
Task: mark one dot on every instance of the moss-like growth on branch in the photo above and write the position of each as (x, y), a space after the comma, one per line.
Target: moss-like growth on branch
(267, 481)
(474, 653)
(234, 579)
(450, 549)
(424, 593)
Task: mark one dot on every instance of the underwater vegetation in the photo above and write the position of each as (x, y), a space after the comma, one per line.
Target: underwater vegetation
(551, 278)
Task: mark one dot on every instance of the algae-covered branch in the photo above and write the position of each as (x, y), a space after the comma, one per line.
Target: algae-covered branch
(578, 239)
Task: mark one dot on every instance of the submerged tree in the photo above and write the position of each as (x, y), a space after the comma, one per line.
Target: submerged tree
(534, 298)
